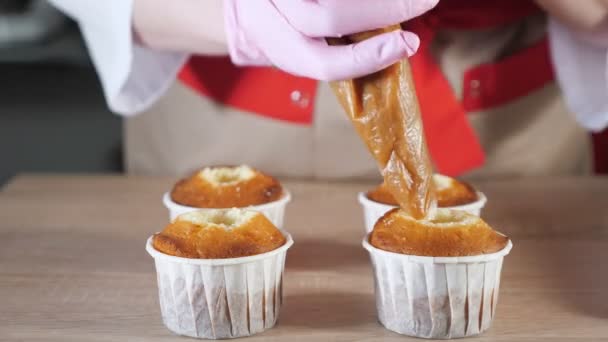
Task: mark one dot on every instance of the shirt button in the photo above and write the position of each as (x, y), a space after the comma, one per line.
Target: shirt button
(296, 95)
(475, 86)
(299, 99)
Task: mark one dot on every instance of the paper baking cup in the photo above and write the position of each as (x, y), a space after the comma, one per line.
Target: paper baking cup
(274, 211)
(373, 211)
(436, 297)
(220, 298)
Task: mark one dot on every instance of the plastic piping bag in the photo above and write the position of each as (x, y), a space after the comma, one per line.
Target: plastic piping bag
(384, 109)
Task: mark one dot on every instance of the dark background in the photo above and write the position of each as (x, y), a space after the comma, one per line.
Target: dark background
(53, 117)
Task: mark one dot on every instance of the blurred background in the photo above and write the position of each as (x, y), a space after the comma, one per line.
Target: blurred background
(50, 97)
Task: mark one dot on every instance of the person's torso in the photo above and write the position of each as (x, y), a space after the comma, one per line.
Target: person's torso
(523, 135)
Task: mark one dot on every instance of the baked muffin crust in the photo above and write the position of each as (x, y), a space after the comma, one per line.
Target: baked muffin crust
(449, 233)
(218, 234)
(226, 187)
(449, 192)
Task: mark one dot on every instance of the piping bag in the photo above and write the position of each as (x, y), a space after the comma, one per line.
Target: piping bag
(384, 109)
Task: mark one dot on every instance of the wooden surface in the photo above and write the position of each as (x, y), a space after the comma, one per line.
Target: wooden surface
(73, 265)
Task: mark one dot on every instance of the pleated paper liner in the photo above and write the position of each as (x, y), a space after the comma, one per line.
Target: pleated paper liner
(436, 297)
(220, 298)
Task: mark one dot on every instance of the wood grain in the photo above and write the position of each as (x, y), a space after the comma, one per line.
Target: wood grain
(73, 265)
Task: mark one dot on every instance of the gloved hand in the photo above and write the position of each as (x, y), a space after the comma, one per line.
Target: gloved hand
(290, 34)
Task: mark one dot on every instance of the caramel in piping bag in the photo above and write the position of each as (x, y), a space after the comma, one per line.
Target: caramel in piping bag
(384, 109)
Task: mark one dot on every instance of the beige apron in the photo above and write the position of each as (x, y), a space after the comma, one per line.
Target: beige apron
(534, 135)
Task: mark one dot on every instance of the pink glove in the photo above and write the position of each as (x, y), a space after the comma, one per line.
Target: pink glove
(289, 34)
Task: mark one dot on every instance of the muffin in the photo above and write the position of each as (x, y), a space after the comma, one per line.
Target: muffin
(450, 193)
(218, 234)
(220, 272)
(228, 187)
(438, 277)
(446, 234)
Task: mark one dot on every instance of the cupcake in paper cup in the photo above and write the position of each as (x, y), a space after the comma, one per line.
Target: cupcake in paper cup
(451, 194)
(229, 187)
(436, 278)
(219, 273)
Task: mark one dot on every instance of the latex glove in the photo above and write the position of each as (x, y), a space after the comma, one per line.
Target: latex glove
(289, 34)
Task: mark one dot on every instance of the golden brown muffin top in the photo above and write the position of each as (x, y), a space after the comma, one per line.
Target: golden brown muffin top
(449, 233)
(226, 187)
(219, 234)
(449, 192)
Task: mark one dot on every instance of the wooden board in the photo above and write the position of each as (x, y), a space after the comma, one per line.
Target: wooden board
(73, 265)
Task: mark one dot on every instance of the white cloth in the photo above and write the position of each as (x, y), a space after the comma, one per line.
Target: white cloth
(581, 64)
(133, 77)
